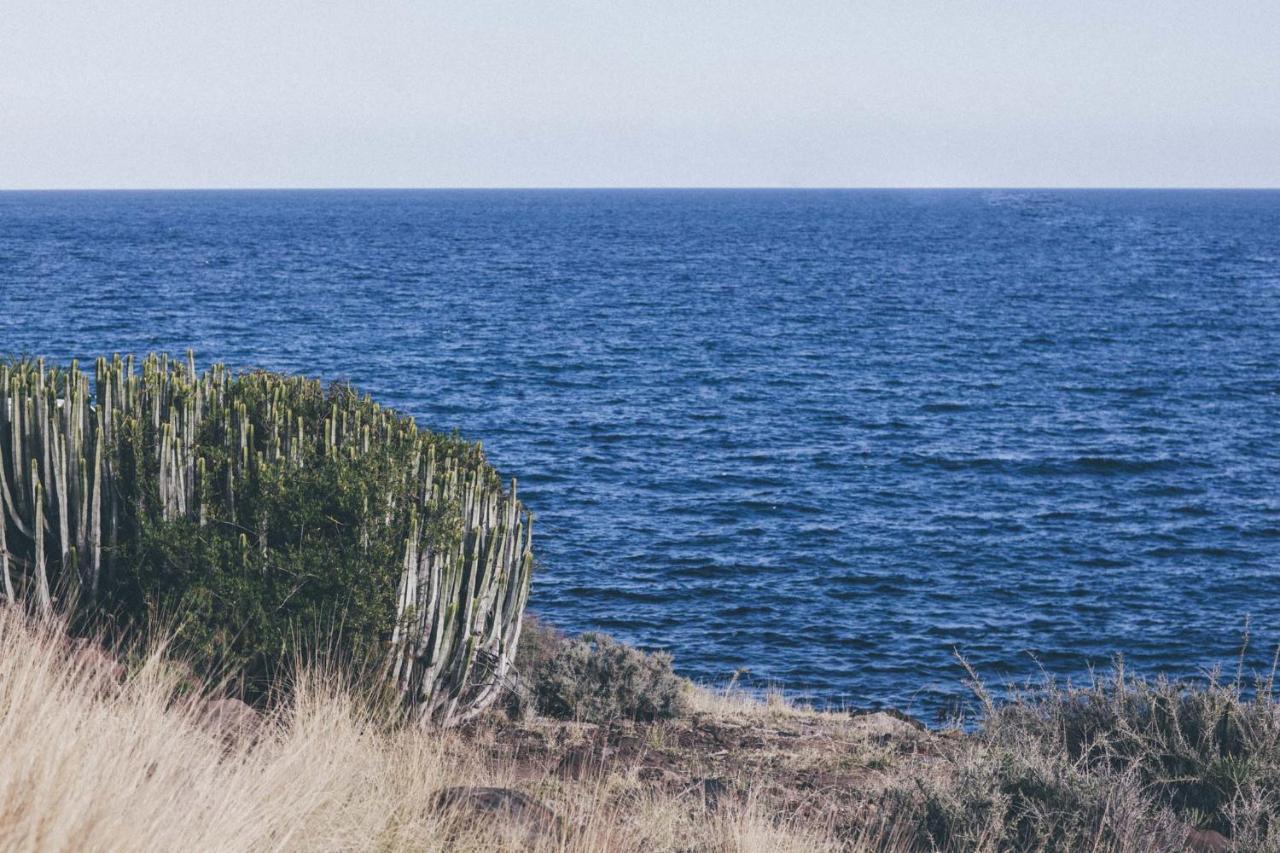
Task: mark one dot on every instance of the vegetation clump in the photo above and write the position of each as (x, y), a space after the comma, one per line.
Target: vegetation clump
(1126, 764)
(1209, 752)
(594, 678)
(105, 757)
(993, 798)
(274, 517)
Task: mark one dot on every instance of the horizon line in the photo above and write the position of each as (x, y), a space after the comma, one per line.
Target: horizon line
(659, 188)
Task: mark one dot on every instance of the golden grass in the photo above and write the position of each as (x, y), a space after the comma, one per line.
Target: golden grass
(732, 701)
(90, 764)
(86, 766)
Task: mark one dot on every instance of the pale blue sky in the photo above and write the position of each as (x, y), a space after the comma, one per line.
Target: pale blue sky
(321, 93)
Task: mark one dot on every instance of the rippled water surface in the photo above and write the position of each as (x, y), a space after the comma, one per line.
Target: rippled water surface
(827, 436)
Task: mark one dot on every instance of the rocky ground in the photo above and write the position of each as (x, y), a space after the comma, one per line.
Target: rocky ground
(821, 771)
(826, 777)
(108, 752)
(786, 759)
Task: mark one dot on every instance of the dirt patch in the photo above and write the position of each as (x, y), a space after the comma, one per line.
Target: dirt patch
(823, 767)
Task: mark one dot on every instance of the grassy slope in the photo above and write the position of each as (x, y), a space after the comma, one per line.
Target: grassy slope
(89, 765)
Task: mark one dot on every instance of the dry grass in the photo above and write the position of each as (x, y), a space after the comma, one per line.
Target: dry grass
(731, 701)
(88, 766)
(91, 764)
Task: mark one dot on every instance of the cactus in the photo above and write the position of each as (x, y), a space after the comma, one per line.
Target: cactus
(92, 473)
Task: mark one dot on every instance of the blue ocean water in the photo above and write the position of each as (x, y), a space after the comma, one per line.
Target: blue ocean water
(831, 437)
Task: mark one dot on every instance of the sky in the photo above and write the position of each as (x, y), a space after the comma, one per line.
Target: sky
(641, 93)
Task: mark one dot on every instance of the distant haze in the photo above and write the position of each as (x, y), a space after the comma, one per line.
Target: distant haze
(527, 93)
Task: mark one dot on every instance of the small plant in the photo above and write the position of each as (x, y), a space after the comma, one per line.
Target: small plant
(1207, 751)
(594, 678)
(1020, 799)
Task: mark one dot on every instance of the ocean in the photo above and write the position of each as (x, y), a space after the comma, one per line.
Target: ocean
(827, 440)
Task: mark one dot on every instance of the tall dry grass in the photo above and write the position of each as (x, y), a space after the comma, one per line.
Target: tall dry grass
(89, 766)
(88, 763)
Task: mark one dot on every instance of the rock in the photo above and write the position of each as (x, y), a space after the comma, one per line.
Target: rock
(662, 776)
(528, 817)
(1207, 841)
(580, 762)
(714, 792)
(106, 673)
(887, 723)
(230, 719)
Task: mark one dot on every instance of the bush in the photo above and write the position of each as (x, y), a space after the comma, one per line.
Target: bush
(594, 678)
(273, 517)
(1020, 799)
(1205, 751)
(307, 579)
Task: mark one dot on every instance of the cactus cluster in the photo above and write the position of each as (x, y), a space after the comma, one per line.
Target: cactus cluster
(266, 477)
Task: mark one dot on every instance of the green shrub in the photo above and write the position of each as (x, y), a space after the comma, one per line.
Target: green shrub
(273, 517)
(292, 575)
(594, 678)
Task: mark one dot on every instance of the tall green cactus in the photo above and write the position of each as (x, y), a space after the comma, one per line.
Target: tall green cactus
(87, 473)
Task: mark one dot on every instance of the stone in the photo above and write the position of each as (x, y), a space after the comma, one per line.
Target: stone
(582, 762)
(887, 724)
(105, 672)
(230, 719)
(714, 793)
(519, 811)
(1207, 841)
